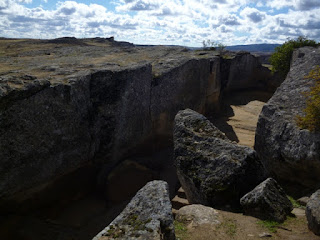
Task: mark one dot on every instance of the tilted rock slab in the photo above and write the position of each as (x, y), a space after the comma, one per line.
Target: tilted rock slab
(147, 216)
(291, 154)
(313, 213)
(267, 201)
(212, 170)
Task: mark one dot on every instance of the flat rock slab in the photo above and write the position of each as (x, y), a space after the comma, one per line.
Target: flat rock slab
(198, 214)
(267, 201)
(147, 216)
(313, 213)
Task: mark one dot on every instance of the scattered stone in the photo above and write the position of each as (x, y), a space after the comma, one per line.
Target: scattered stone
(289, 153)
(298, 212)
(197, 214)
(267, 201)
(212, 170)
(313, 213)
(265, 235)
(303, 201)
(147, 216)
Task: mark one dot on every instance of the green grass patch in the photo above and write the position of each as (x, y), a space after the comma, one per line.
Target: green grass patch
(294, 202)
(270, 225)
(229, 226)
(181, 230)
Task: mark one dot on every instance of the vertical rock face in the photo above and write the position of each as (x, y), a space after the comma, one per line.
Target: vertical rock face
(189, 85)
(267, 201)
(212, 170)
(58, 128)
(147, 216)
(313, 213)
(245, 71)
(51, 128)
(289, 153)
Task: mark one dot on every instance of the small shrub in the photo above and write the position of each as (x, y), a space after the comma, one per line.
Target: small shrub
(281, 58)
(311, 119)
(209, 45)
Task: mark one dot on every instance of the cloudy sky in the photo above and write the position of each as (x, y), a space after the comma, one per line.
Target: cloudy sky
(180, 22)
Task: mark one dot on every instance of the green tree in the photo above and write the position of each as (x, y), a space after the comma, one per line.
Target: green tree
(311, 118)
(281, 58)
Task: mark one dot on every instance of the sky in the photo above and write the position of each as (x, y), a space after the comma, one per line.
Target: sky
(165, 22)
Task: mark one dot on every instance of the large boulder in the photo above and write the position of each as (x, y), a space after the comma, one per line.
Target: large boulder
(313, 213)
(291, 154)
(212, 170)
(267, 201)
(147, 216)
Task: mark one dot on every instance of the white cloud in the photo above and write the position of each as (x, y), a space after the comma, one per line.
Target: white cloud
(165, 22)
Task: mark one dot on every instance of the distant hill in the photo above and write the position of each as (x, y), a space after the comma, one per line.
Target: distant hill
(254, 47)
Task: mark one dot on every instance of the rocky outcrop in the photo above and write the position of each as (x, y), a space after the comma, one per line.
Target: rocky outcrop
(147, 216)
(313, 213)
(196, 214)
(61, 111)
(245, 71)
(212, 170)
(48, 130)
(289, 153)
(193, 84)
(267, 201)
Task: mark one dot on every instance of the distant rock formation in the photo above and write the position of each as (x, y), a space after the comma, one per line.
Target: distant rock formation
(313, 213)
(245, 71)
(291, 154)
(212, 170)
(147, 216)
(267, 201)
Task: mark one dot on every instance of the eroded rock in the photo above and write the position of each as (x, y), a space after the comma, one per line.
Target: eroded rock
(196, 214)
(212, 170)
(313, 213)
(147, 216)
(289, 153)
(267, 201)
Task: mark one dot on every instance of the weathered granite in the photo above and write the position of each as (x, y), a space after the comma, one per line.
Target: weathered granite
(212, 170)
(245, 71)
(289, 153)
(70, 103)
(54, 129)
(313, 213)
(193, 84)
(267, 201)
(147, 216)
(197, 214)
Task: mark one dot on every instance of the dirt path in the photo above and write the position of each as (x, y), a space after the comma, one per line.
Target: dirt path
(238, 121)
(239, 116)
(235, 226)
(245, 120)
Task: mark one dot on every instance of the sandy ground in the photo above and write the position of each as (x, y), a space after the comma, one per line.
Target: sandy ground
(235, 226)
(243, 123)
